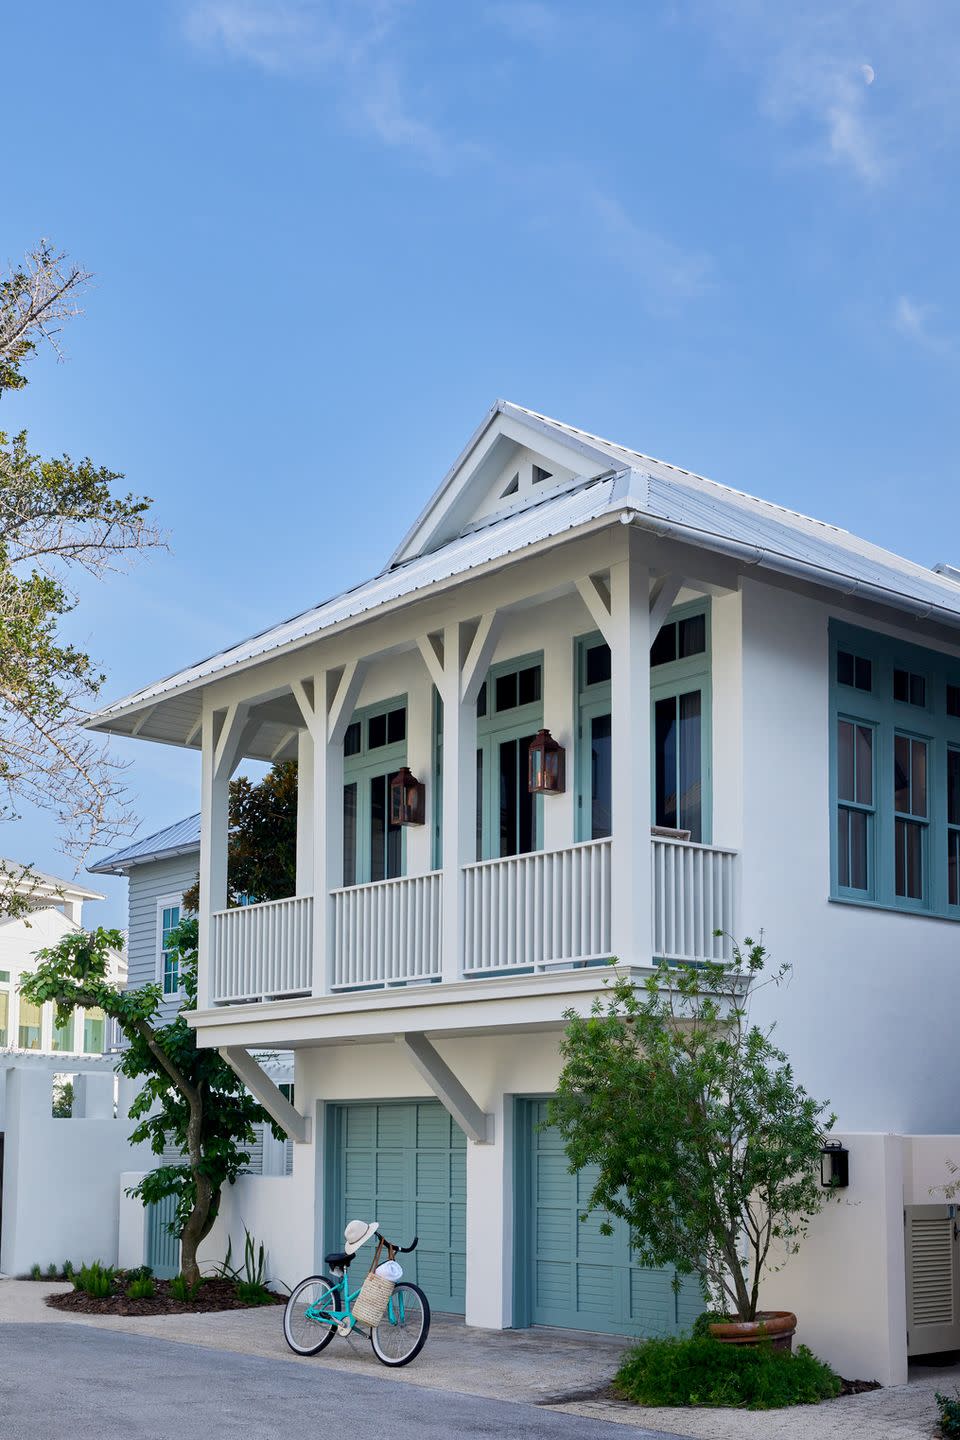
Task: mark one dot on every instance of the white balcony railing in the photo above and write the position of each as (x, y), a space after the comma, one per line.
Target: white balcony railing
(545, 908)
(387, 933)
(526, 912)
(262, 952)
(694, 896)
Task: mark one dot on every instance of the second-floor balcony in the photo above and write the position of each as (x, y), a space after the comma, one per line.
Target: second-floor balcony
(528, 913)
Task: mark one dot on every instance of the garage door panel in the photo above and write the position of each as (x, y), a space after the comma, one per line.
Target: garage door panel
(576, 1276)
(403, 1164)
(596, 1289)
(433, 1172)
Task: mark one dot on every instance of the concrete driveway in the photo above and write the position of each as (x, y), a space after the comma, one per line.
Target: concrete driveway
(70, 1382)
(539, 1372)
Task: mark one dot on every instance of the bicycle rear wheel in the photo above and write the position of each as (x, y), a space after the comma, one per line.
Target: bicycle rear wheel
(306, 1328)
(402, 1333)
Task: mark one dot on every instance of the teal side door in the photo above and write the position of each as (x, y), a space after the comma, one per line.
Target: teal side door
(163, 1249)
(568, 1273)
(404, 1164)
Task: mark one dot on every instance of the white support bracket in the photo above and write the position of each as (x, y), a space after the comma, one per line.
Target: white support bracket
(478, 659)
(345, 700)
(431, 650)
(477, 1124)
(233, 731)
(662, 596)
(262, 1088)
(596, 596)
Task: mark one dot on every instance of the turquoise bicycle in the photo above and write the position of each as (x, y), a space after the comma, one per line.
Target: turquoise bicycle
(321, 1307)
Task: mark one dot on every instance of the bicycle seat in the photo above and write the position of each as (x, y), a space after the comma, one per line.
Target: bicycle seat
(338, 1261)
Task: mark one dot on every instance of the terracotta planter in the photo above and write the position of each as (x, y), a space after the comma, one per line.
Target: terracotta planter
(777, 1326)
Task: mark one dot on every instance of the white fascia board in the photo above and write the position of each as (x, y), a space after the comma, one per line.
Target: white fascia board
(474, 1007)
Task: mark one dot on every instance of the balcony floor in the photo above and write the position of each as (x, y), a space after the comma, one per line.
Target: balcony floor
(468, 1007)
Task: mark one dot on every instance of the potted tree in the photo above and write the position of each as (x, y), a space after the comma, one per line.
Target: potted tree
(704, 1142)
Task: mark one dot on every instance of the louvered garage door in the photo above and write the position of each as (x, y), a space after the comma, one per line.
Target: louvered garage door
(403, 1164)
(932, 1245)
(570, 1274)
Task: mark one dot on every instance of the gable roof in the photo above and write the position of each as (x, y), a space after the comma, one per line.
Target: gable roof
(183, 838)
(618, 483)
(38, 885)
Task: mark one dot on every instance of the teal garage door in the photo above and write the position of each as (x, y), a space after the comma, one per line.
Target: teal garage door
(404, 1164)
(569, 1274)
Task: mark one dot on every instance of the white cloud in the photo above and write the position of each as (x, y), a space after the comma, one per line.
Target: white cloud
(917, 322)
(861, 85)
(349, 42)
(665, 271)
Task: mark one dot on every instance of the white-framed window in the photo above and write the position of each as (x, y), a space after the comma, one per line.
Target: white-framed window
(5, 1007)
(168, 958)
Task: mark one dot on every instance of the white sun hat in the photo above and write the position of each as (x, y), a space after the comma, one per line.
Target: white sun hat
(357, 1233)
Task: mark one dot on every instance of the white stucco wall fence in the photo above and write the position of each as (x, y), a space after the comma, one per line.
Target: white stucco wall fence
(61, 1176)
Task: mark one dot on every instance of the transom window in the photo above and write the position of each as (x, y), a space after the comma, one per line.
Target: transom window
(908, 688)
(854, 670)
(680, 639)
(895, 773)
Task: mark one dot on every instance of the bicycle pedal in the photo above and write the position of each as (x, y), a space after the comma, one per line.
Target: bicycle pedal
(344, 1327)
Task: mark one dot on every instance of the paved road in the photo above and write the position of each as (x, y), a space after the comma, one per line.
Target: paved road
(71, 1382)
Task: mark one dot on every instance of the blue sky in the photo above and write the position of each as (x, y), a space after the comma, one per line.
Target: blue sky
(327, 236)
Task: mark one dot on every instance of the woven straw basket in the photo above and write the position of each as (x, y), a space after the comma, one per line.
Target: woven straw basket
(374, 1294)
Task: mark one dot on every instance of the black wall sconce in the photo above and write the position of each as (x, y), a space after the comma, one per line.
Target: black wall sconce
(834, 1166)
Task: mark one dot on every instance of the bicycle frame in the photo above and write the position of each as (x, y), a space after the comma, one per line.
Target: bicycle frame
(341, 1285)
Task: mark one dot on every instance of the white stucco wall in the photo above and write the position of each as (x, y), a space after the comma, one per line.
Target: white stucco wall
(869, 1016)
(61, 1177)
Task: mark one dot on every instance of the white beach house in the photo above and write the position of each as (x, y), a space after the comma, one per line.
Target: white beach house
(752, 720)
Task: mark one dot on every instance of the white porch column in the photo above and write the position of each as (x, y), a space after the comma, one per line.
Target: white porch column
(214, 796)
(335, 697)
(630, 728)
(305, 813)
(463, 675)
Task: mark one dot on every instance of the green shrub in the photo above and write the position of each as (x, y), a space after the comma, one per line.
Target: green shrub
(701, 1326)
(95, 1279)
(182, 1291)
(701, 1371)
(68, 1269)
(142, 1288)
(252, 1292)
(949, 1412)
(35, 1272)
(52, 1272)
(139, 1272)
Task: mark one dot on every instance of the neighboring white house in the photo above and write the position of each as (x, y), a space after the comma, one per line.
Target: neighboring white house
(55, 909)
(760, 720)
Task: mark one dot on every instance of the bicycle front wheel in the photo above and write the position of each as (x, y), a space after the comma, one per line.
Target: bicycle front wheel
(403, 1331)
(307, 1324)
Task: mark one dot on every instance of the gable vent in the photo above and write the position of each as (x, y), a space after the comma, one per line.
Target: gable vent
(540, 474)
(512, 488)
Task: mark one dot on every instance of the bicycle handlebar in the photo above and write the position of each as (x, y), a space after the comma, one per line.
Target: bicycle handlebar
(400, 1249)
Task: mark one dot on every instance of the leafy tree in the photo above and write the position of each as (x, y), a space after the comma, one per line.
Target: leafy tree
(262, 852)
(705, 1143)
(59, 519)
(201, 1105)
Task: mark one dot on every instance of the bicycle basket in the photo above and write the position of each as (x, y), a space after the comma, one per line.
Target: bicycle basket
(372, 1300)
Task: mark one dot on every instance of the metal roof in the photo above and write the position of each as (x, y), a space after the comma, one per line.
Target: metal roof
(652, 493)
(180, 839)
(37, 883)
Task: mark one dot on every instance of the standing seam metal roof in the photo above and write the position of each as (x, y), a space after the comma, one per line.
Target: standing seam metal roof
(179, 839)
(708, 512)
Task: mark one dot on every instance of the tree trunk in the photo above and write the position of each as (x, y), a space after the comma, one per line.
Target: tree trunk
(206, 1202)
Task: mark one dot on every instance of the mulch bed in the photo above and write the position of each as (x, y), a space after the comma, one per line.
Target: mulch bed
(858, 1387)
(213, 1295)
